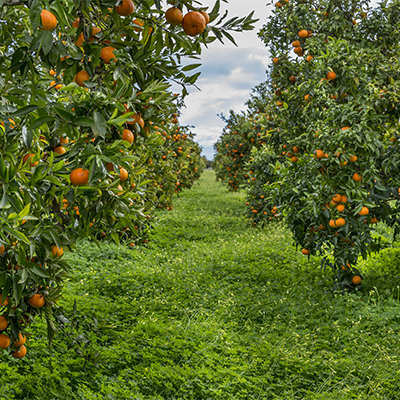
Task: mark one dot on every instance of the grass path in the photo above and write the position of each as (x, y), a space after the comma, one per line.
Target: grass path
(212, 308)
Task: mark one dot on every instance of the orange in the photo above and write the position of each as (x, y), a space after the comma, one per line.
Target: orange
(49, 21)
(305, 252)
(139, 23)
(193, 23)
(126, 8)
(356, 280)
(174, 16)
(21, 340)
(279, 5)
(2, 249)
(296, 43)
(60, 150)
(307, 97)
(79, 176)
(110, 166)
(357, 177)
(353, 158)
(75, 24)
(345, 128)
(123, 174)
(37, 301)
(57, 251)
(337, 198)
(344, 199)
(95, 31)
(5, 302)
(296, 149)
(127, 135)
(141, 122)
(340, 222)
(275, 60)
(80, 77)
(3, 323)
(12, 123)
(364, 211)
(298, 50)
(64, 140)
(20, 353)
(374, 220)
(106, 54)
(29, 156)
(330, 76)
(4, 341)
(79, 41)
(309, 58)
(303, 34)
(206, 16)
(340, 207)
(319, 154)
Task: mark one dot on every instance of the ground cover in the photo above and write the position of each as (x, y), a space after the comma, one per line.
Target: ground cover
(213, 308)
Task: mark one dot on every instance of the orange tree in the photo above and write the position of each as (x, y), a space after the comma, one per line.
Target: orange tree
(83, 86)
(233, 149)
(334, 95)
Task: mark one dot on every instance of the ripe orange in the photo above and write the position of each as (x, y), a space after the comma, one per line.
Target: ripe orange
(20, 341)
(79, 176)
(294, 159)
(345, 128)
(95, 31)
(307, 97)
(306, 252)
(3, 323)
(106, 54)
(309, 58)
(296, 43)
(11, 121)
(57, 251)
(298, 50)
(337, 198)
(344, 199)
(49, 21)
(64, 140)
(330, 76)
(356, 280)
(75, 24)
(127, 135)
(303, 34)
(80, 40)
(193, 23)
(141, 122)
(357, 177)
(80, 77)
(275, 60)
(37, 301)
(340, 207)
(2, 249)
(340, 222)
(279, 5)
(60, 150)
(4, 341)
(206, 16)
(353, 158)
(296, 149)
(20, 353)
(126, 8)
(29, 156)
(174, 16)
(319, 154)
(123, 174)
(364, 211)
(374, 220)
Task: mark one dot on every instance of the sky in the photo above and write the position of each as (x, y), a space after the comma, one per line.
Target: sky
(228, 74)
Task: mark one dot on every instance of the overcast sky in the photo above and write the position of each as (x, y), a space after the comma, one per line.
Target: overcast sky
(228, 74)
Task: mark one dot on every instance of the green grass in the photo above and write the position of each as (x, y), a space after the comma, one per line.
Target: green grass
(213, 308)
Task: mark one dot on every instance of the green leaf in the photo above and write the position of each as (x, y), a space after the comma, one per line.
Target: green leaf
(37, 123)
(99, 127)
(83, 121)
(24, 111)
(39, 271)
(47, 42)
(35, 10)
(64, 114)
(16, 234)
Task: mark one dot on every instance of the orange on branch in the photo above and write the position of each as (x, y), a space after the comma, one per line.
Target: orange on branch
(125, 8)
(127, 135)
(49, 21)
(81, 77)
(20, 353)
(37, 301)
(106, 54)
(4, 341)
(79, 176)
(174, 16)
(193, 23)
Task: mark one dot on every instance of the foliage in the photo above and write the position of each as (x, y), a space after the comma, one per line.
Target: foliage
(74, 76)
(330, 164)
(227, 312)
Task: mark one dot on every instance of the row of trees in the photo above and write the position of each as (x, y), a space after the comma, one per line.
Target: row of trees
(329, 119)
(90, 142)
